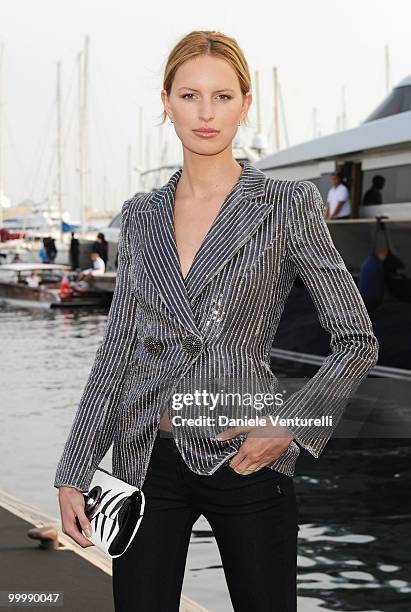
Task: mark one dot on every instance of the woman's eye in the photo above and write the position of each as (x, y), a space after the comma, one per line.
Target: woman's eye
(184, 96)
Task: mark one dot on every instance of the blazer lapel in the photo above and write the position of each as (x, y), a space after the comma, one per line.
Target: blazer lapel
(160, 256)
(241, 213)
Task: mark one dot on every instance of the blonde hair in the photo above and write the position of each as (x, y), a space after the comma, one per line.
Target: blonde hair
(207, 42)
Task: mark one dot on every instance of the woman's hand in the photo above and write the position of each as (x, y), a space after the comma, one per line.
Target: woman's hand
(72, 504)
(262, 445)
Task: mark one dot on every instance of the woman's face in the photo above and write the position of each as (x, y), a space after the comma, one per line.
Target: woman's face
(206, 94)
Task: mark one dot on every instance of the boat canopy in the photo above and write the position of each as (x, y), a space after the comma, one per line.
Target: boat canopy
(398, 101)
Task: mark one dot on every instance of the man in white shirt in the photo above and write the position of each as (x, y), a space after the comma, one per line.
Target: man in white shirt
(338, 199)
(98, 267)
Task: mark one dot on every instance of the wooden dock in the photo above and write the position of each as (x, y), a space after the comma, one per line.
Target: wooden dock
(82, 575)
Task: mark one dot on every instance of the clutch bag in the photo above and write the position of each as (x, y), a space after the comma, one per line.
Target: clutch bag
(115, 510)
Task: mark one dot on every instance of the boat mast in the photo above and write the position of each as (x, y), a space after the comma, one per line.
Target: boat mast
(387, 70)
(257, 95)
(140, 162)
(59, 149)
(105, 193)
(315, 122)
(258, 140)
(343, 110)
(129, 170)
(276, 111)
(83, 81)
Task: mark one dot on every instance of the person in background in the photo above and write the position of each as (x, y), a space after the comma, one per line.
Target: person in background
(101, 246)
(34, 279)
(74, 252)
(51, 250)
(338, 204)
(373, 195)
(98, 267)
(43, 253)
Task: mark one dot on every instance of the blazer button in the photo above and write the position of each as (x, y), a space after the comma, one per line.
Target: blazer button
(192, 344)
(152, 344)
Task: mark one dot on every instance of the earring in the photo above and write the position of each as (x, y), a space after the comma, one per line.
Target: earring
(171, 120)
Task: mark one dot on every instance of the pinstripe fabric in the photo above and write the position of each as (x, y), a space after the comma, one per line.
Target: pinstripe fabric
(213, 329)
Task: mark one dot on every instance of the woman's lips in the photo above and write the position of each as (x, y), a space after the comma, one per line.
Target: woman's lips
(206, 133)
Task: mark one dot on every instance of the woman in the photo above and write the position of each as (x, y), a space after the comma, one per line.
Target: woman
(205, 266)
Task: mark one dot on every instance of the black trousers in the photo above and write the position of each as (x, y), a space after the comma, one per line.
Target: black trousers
(254, 519)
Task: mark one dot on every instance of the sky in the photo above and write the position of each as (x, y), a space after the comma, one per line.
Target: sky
(320, 48)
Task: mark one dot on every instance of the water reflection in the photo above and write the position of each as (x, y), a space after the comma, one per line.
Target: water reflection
(357, 555)
(354, 502)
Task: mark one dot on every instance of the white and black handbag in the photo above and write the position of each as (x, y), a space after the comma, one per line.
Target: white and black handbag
(115, 510)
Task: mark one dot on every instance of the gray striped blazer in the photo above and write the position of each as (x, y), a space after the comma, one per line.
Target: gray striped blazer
(213, 330)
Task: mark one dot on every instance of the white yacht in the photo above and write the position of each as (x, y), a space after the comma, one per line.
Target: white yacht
(375, 159)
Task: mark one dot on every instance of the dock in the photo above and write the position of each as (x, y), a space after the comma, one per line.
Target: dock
(81, 575)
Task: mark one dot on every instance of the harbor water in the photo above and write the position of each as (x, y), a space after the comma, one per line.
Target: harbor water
(354, 503)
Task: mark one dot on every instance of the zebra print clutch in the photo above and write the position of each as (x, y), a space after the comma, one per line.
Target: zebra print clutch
(115, 510)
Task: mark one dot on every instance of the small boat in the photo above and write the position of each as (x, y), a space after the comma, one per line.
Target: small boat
(45, 286)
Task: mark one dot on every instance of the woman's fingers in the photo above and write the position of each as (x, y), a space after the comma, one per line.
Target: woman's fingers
(71, 529)
(82, 519)
(73, 517)
(240, 456)
(246, 468)
(231, 432)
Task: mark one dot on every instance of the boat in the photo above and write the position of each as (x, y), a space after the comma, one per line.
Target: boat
(374, 241)
(57, 287)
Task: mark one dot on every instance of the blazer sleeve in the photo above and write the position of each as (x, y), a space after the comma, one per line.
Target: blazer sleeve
(93, 427)
(341, 311)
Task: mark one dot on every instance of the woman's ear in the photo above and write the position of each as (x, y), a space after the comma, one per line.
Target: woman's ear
(248, 98)
(164, 98)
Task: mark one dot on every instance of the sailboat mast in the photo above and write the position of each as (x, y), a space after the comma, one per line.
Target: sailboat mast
(257, 95)
(59, 149)
(80, 140)
(83, 97)
(129, 170)
(276, 111)
(140, 161)
(387, 70)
